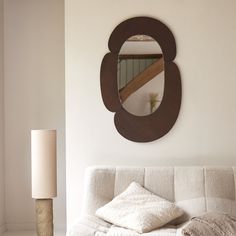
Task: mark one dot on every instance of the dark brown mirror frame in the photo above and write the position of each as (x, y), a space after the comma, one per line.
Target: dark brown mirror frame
(154, 126)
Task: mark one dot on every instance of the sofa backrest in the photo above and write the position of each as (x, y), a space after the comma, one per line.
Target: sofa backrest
(195, 189)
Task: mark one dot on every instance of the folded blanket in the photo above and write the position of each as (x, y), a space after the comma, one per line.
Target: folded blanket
(211, 224)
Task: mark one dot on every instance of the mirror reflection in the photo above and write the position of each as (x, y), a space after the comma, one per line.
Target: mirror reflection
(140, 75)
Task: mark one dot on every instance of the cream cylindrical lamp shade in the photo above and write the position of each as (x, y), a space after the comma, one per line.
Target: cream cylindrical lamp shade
(44, 164)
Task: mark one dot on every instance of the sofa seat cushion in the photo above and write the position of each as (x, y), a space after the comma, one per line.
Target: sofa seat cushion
(89, 226)
(168, 230)
(118, 231)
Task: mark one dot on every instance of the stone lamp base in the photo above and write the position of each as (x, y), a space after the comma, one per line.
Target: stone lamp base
(44, 217)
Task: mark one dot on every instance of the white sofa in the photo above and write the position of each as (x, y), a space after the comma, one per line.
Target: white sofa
(195, 189)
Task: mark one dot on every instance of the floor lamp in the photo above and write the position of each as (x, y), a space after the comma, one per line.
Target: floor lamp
(44, 178)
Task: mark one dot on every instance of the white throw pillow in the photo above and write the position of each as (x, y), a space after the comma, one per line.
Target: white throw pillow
(138, 209)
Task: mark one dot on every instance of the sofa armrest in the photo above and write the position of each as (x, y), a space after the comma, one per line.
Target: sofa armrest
(88, 226)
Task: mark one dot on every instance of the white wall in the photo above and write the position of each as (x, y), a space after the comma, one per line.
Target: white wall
(2, 187)
(205, 131)
(34, 99)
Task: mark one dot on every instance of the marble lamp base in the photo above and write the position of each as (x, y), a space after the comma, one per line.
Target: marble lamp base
(44, 217)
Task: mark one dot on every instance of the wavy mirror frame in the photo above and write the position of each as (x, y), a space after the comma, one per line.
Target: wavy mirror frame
(154, 126)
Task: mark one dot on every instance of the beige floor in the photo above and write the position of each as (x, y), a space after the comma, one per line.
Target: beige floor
(27, 233)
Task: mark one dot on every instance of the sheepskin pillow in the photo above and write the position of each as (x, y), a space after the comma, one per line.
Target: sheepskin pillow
(139, 210)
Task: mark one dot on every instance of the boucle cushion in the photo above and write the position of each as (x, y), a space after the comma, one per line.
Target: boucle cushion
(139, 210)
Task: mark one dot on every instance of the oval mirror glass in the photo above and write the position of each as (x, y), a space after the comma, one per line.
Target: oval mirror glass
(140, 75)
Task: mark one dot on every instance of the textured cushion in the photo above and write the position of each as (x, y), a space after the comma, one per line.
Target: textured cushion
(138, 209)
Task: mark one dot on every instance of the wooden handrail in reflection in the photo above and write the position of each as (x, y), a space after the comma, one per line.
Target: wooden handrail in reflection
(141, 79)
